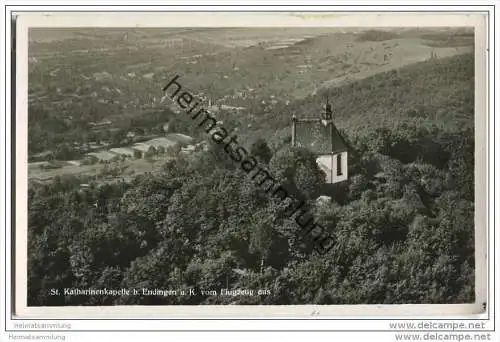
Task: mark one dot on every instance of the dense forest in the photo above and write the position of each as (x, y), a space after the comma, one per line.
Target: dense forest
(403, 223)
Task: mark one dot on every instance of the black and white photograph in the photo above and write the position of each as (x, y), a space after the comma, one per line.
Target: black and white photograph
(175, 166)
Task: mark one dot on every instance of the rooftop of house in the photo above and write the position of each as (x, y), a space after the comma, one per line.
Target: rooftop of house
(102, 155)
(43, 154)
(75, 162)
(103, 122)
(157, 142)
(141, 147)
(122, 150)
(181, 138)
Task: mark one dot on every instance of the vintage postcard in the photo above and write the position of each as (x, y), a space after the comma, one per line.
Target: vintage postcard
(252, 164)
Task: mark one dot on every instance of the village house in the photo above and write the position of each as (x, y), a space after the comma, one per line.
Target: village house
(123, 151)
(141, 149)
(46, 155)
(180, 138)
(188, 149)
(100, 124)
(102, 156)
